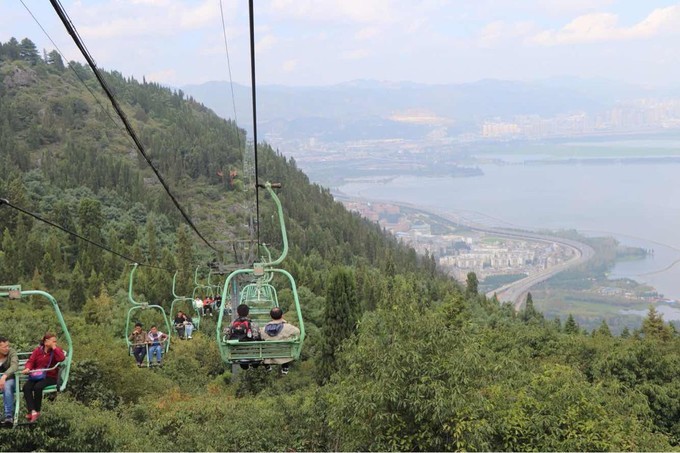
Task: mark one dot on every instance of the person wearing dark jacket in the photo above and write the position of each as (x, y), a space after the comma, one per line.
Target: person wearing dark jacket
(184, 325)
(42, 373)
(9, 364)
(138, 338)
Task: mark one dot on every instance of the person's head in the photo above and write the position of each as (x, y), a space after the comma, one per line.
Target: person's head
(276, 313)
(4, 346)
(180, 314)
(49, 340)
(154, 329)
(242, 310)
(138, 326)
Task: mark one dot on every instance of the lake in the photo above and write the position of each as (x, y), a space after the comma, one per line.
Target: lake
(638, 203)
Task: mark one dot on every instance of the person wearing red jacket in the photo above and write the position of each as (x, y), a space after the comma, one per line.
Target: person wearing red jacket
(45, 356)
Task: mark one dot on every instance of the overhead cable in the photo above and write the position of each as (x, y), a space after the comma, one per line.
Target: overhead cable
(4, 201)
(70, 28)
(254, 89)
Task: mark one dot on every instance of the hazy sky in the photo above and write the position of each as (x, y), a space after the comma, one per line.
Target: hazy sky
(321, 42)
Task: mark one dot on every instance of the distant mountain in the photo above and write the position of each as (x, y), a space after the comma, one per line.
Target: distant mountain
(368, 109)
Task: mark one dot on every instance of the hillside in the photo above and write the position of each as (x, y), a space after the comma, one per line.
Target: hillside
(398, 357)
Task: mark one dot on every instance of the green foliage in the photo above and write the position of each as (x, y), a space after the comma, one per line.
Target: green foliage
(340, 318)
(471, 284)
(409, 359)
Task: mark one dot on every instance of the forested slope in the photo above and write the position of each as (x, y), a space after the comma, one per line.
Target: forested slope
(398, 356)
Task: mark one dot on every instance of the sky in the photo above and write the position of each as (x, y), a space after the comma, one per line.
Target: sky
(324, 42)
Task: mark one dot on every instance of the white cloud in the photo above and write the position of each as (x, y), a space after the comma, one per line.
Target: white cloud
(570, 7)
(601, 27)
(266, 43)
(500, 32)
(366, 33)
(356, 54)
(361, 11)
(145, 18)
(204, 14)
(289, 65)
(166, 76)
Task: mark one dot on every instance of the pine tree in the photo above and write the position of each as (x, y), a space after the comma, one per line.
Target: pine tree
(185, 259)
(341, 315)
(48, 267)
(604, 329)
(571, 327)
(54, 59)
(529, 311)
(654, 327)
(28, 51)
(557, 323)
(10, 270)
(471, 284)
(625, 333)
(77, 286)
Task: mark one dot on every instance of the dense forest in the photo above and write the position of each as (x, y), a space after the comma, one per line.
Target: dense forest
(398, 356)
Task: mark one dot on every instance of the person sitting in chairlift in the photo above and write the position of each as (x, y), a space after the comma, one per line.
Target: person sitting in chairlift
(155, 339)
(9, 364)
(183, 325)
(278, 329)
(42, 372)
(138, 339)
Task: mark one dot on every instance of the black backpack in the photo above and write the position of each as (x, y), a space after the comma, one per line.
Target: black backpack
(241, 329)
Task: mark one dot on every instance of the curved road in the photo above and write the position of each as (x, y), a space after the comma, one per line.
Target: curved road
(516, 291)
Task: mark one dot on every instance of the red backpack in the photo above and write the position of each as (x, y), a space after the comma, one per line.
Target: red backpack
(241, 329)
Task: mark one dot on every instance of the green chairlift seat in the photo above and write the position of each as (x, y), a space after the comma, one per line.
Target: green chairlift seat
(261, 297)
(196, 320)
(142, 306)
(15, 292)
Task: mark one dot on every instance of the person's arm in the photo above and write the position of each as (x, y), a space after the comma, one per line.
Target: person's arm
(59, 355)
(13, 364)
(30, 363)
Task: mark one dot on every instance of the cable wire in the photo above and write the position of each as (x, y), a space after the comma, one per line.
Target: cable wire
(254, 89)
(4, 201)
(70, 28)
(231, 82)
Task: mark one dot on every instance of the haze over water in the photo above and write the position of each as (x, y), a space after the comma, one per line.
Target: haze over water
(639, 203)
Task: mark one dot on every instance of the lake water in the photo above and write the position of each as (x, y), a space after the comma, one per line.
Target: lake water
(638, 203)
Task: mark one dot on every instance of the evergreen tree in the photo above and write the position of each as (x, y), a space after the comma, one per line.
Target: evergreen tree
(152, 241)
(11, 49)
(94, 283)
(28, 51)
(529, 311)
(54, 59)
(340, 318)
(654, 327)
(571, 327)
(48, 267)
(557, 323)
(77, 287)
(625, 333)
(185, 259)
(604, 329)
(471, 284)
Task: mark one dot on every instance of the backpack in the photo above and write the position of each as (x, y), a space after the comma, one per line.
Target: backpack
(273, 329)
(241, 329)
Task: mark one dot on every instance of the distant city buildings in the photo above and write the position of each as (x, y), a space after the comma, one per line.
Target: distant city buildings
(461, 252)
(643, 115)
